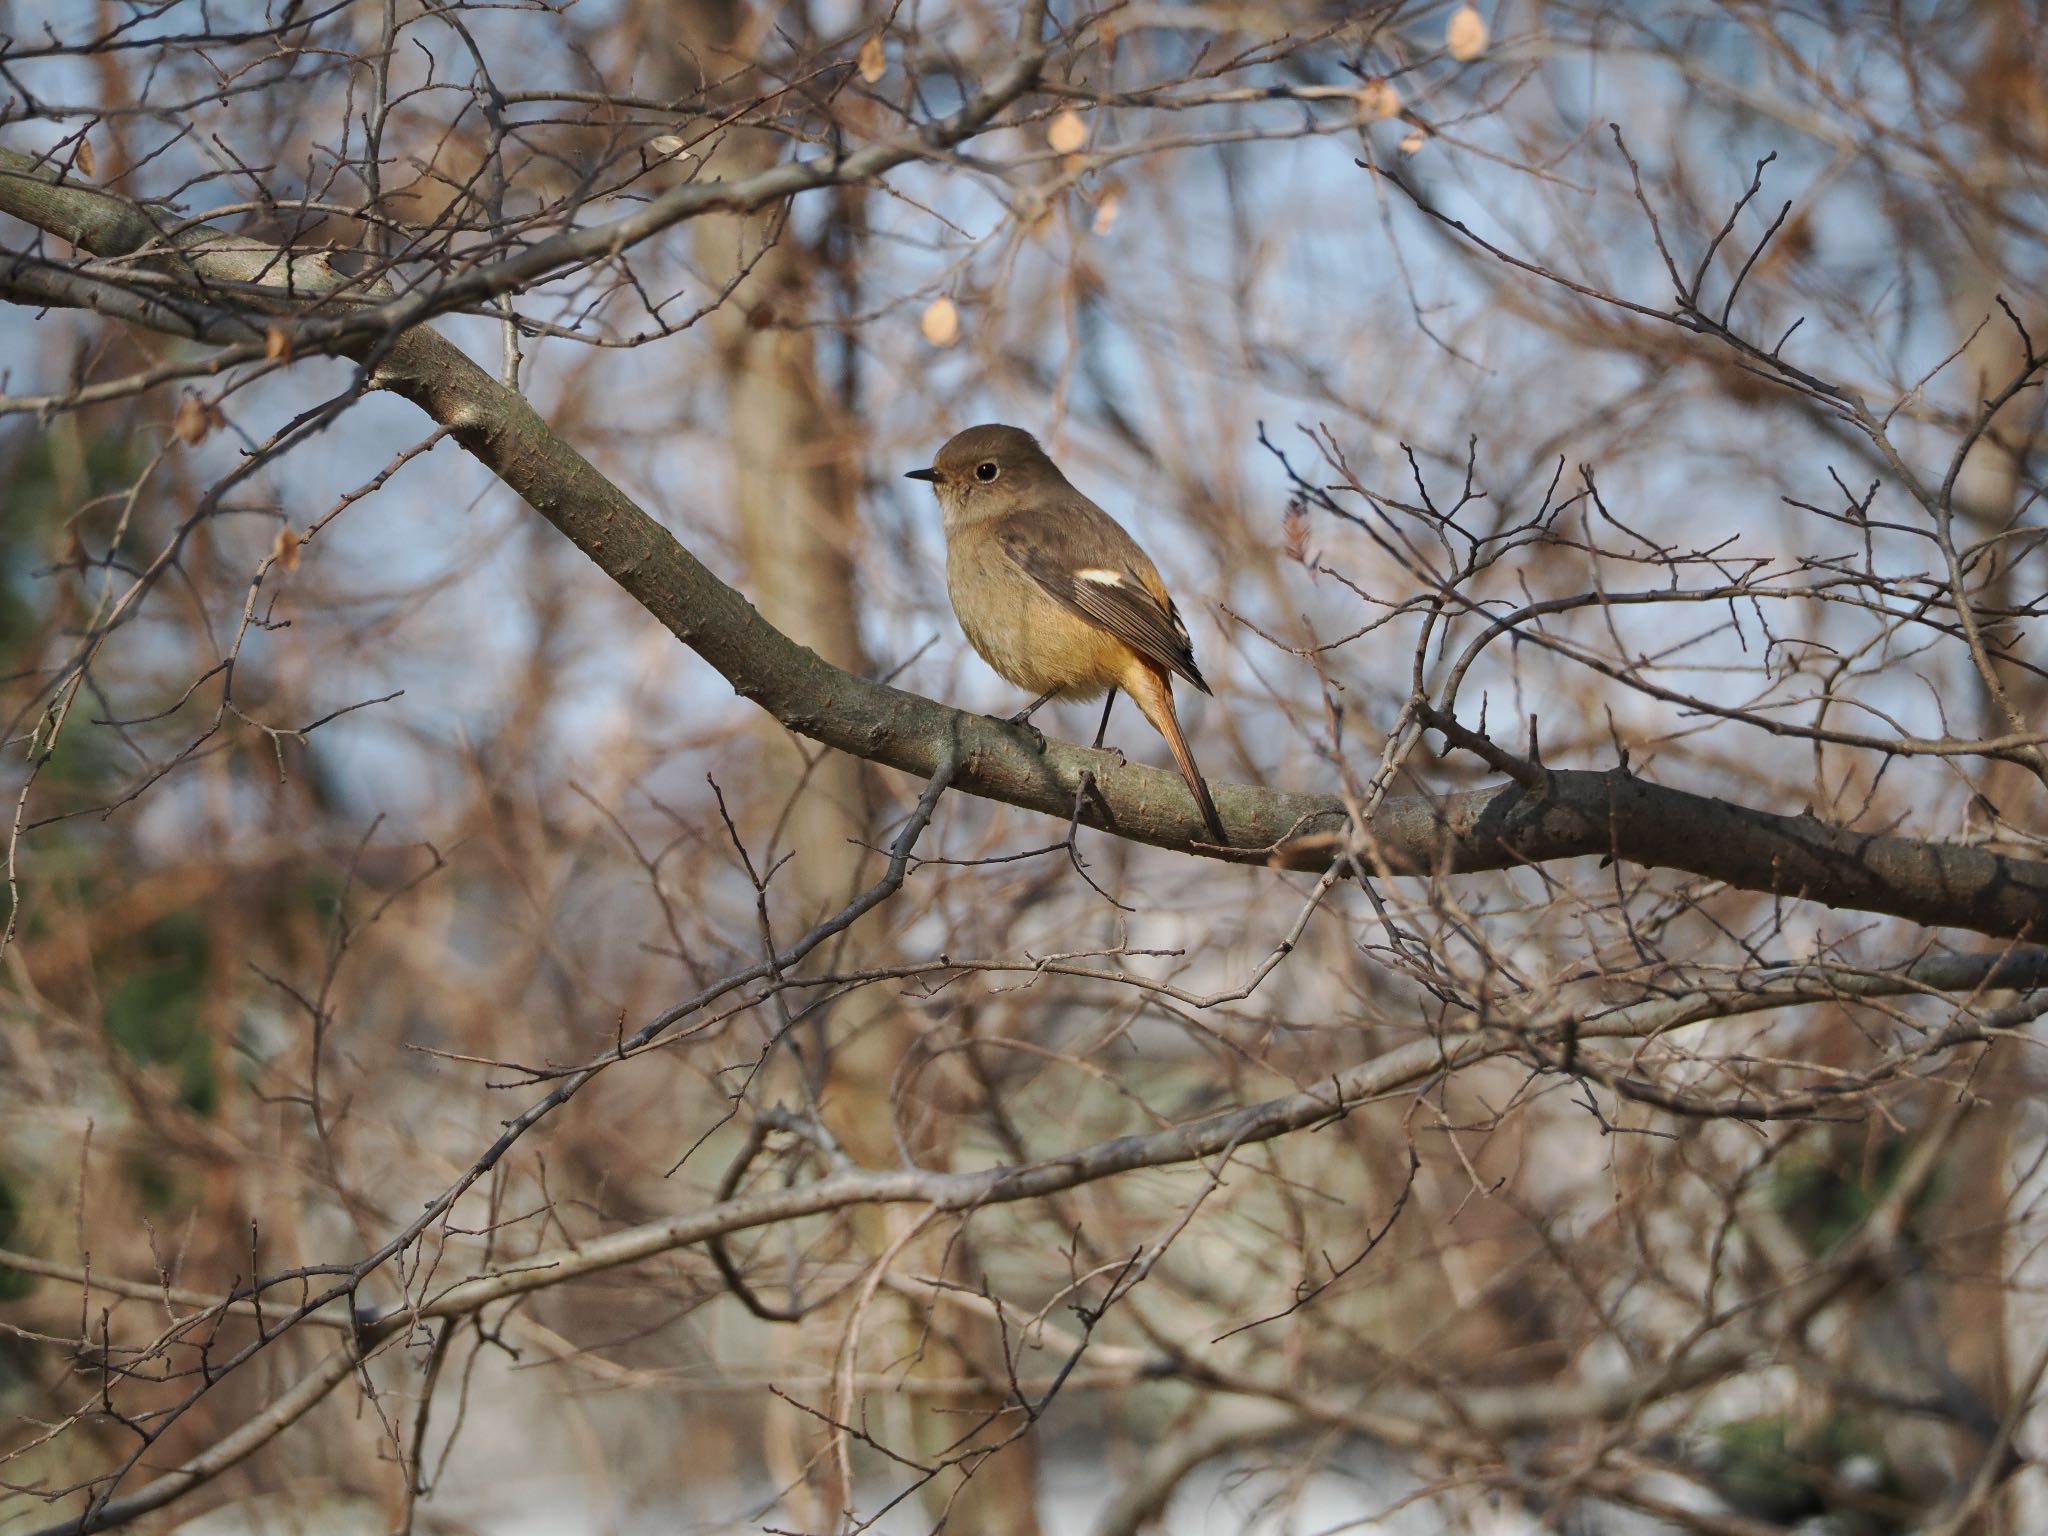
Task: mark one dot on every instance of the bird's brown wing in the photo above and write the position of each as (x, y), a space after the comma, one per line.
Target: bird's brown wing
(1091, 567)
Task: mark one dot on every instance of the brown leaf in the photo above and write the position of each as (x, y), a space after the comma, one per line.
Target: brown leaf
(1794, 244)
(941, 322)
(191, 423)
(1413, 140)
(1465, 37)
(1066, 132)
(1105, 213)
(84, 159)
(1294, 533)
(1378, 98)
(284, 550)
(873, 61)
(667, 145)
(277, 343)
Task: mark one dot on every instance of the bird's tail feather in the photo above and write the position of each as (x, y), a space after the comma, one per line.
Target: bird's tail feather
(1153, 693)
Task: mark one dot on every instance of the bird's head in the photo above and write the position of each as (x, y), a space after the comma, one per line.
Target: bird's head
(988, 471)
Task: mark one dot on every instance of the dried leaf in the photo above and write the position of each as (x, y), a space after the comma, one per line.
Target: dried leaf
(1465, 38)
(1794, 244)
(1105, 213)
(191, 423)
(85, 161)
(284, 550)
(873, 61)
(1066, 132)
(1378, 98)
(1413, 140)
(277, 343)
(667, 145)
(1294, 533)
(941, 322)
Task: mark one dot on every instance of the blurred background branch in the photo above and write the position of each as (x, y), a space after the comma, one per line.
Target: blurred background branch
(1600, 452)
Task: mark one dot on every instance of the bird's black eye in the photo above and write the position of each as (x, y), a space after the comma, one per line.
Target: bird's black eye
(986, 472)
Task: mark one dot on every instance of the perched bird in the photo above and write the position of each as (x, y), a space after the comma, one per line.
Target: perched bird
(1054, 594)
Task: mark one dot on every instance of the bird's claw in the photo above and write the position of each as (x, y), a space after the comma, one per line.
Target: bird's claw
(1022, 722)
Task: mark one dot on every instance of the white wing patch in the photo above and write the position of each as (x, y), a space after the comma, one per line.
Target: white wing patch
(1102, 578)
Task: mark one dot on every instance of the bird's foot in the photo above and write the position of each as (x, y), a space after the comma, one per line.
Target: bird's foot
(1023, 718)
(1022, 721)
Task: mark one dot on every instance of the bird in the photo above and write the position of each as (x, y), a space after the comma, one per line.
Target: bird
(1054, 594)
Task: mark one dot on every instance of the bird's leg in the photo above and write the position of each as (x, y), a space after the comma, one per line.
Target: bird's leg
(1023, 716)
(1102, 730)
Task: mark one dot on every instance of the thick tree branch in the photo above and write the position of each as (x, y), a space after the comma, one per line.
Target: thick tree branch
(1571, 813)
(28, 280)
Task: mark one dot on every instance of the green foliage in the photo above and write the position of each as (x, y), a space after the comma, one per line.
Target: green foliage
(153, 1013)
(1768, 1469)
(81, 756)
(13, 1283)
(47, 477)
(1827, 1188)
(50, 480)
(155, 1184)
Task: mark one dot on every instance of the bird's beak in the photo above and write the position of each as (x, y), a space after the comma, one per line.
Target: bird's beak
(922, 474)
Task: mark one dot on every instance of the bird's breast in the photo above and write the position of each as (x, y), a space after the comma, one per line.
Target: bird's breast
(1023, 633)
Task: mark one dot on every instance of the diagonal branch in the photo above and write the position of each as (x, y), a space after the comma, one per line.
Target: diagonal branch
(1568, 814)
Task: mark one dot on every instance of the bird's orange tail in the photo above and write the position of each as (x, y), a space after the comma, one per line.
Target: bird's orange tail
(1152, 692)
